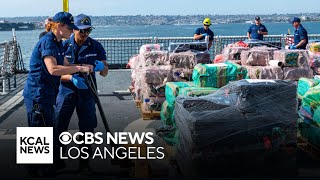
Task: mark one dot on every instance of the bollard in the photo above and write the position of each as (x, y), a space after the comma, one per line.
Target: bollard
(4, 87)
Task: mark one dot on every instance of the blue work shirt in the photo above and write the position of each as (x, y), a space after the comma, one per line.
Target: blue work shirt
(202, 31)
(41, 86)
(90, 51)
(300, 34)
(253, 31)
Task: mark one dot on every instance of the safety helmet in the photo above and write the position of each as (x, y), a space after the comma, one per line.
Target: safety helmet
(207, 21)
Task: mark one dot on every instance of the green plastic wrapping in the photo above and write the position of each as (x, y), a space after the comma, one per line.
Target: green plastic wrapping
(310, 132)
(312, 97)
(196, 91)
(316, 116)
(304, 84)
(172, 90)
(217, 75)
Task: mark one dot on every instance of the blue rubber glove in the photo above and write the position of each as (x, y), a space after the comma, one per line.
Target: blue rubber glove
(99, 65)
(293, 47)
(79, 82)
(204, 34)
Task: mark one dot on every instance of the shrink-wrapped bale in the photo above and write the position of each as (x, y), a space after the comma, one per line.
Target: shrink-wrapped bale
(295, 73)
(285, 73)
(134, 62)
(246, 126)
(157, 75)
(312, 97)
(183, 60)
(153, 90)
(182, 74)
(217, 75)
(173, 88)
(153, 103)
(187, 46)
(264, 72)
(166, 114)
(256, 57)
(196, 91)
(233, 52)
(138, 83)
(202, 57)
(288, 57)
(313, 47)
(150, 48)
(154, 58)
(310, 132)
(304, 84)
(315, 63)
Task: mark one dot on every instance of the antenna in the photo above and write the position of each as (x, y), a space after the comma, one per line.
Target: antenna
(65, 5)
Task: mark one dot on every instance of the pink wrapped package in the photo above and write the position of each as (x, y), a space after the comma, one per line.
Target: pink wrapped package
(256, 57)
(157, 75)
(154, 58)
(233, 52)
(264, 72)
(292, 58)
(183, 60)
(295, 73)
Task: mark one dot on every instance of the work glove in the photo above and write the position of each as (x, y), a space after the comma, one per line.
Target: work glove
(293, 47)
(204, 34)
(99, 66)
(79, 82)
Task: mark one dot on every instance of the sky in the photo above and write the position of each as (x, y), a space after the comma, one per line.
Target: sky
(18, 8)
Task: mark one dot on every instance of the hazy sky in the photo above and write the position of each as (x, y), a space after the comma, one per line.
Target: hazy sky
(13, 8)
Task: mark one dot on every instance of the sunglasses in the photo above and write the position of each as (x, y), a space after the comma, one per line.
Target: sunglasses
(89, 30)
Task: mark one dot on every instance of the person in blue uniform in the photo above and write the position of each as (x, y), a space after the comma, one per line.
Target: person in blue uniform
(47, 64)
(257, 30)
(204, 31)
(300, 35)
(80, 48)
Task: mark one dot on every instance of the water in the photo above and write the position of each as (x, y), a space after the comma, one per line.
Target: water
(28, 39)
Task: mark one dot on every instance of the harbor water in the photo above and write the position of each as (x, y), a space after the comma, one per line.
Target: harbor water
(28, 39)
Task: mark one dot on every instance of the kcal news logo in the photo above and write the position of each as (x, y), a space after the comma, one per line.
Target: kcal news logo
(34, 145)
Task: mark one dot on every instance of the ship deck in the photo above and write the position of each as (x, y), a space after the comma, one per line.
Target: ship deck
(122, 115)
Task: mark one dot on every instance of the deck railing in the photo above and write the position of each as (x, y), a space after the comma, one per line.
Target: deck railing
(119, 50)
(11, 63)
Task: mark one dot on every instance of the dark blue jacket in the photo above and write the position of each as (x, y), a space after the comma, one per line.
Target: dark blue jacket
(300, 34)
(90, 51)
(202, 31)
(41, 86)
(253, 30)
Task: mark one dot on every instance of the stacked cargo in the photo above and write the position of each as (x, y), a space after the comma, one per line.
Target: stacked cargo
(246, 126)
(217, 75)
(314, 53)
(268, 63)
(153, 68)
(309, 110)
(232, 53)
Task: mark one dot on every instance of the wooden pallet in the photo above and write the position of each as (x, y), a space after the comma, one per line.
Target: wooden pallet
(149, 115)
(307, 147)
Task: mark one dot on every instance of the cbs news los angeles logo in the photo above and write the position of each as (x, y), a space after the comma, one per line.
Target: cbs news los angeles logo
(34, 145)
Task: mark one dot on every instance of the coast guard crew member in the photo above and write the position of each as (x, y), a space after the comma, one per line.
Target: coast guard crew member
(300, 35)
(47, 64)
(204, 31)
(80, 49)
(257, 30)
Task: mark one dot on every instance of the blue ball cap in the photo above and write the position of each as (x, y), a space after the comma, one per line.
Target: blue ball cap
(82, 21)
(65, 18)
(295, 19)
